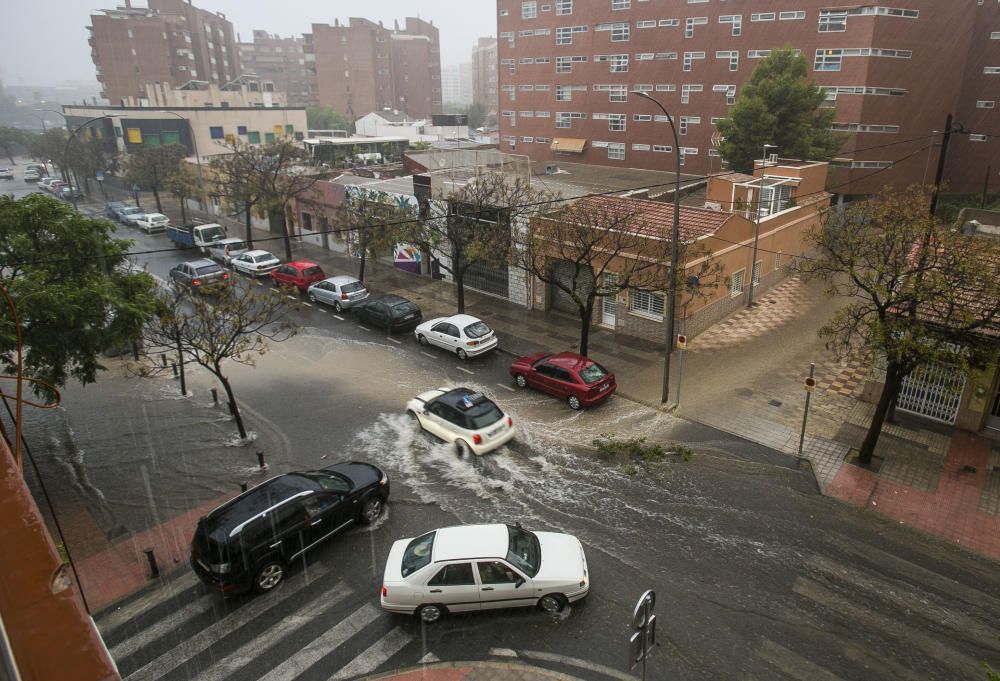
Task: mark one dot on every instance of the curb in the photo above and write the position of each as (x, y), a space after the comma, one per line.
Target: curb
(513, 668)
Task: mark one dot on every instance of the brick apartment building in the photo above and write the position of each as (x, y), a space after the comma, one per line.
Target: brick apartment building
(170, 42)
(278, 60)
(484, 74)
(362, 66)
(893, 72)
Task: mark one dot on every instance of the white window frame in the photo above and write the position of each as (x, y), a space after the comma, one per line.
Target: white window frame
(644, 304)
(737, 283)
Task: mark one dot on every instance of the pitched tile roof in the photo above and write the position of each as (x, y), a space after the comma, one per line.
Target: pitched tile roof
(658, 216)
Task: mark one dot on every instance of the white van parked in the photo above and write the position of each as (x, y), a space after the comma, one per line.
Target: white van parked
(153, 222)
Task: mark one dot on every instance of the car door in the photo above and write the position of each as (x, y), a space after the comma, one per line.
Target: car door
(376, 313)
(544, 377)
(435, 421)
(240, 263)
(285, 531)
(326, 292)
(181, 274)
(444, 335)
(454, 586)
(502, 586)
(326, 514)
(562, 382)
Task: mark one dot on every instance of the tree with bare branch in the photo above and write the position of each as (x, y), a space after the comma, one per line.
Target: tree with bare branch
(183, 184)
(605, 245)
(218, 325)
(921, 293)
(377, 221)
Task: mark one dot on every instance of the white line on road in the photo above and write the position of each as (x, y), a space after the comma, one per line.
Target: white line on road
(275, 636)
(172, 621)
(217, 631)
(471, 373)
(428, 658)
(506, 387)
(321, 647)
(426, 354)
(582, 664)
(291, 297)
(503, 652)
(308, 304)
(339, 317)
(108, 622)
(395, 340)
(377, 653)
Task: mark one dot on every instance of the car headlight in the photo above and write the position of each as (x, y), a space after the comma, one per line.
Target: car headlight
(219, 568)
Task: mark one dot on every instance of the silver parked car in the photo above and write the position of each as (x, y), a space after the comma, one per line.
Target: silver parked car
(255, 263)
(342, 292)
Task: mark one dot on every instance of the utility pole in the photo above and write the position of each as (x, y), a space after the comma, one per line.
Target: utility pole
(940, 169)
(756, 223)
(986, 185)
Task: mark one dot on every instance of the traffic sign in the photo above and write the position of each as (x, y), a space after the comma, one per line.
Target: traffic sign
(810, 383)
(682, 341)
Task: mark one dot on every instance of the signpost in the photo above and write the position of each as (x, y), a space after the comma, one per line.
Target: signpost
(809, 384)
(643, 638)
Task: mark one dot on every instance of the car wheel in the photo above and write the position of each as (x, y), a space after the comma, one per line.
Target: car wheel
(413, 415)
(269, 576)
(574, 402)
(312, 297)
(552, 603)
(462, 354)
(422, 339)
(371, 510)
(338, 307)
(462, 448)
(521, 381)
(431, 613)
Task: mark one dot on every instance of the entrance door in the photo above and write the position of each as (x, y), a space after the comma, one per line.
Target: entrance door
(609, 303)
(933, 390)
(993, 420)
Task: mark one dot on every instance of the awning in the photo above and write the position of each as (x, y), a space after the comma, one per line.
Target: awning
(570, 145)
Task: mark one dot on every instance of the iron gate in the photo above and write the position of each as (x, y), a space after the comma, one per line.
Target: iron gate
(489, 278)
(933, 390)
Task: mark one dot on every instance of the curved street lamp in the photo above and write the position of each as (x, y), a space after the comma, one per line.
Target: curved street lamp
(197, 158)
(674, 237)
(66, 174)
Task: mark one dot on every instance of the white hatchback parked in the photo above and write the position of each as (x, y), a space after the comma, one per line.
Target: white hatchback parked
(468, 568)
(463, 334)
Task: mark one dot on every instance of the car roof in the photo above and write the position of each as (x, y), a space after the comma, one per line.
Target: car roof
(302, 264)
(569, 360)
(342, 279)
(471, 541)
(454, 396)
(260, 252)
(462, 320)
(200, 262)
(229, 240)
(155, 215)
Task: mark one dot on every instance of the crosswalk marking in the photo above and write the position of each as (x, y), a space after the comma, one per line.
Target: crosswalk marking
(112, 620)
(339, 317)
(377, 653)
(363, 328)
(287, 628)
(216, 631)
(465, 370)
(792, 664)
(506, 387)
(163, 626)
(320, 647)
(395, 340)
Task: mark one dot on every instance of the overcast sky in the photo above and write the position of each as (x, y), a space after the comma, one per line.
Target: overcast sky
(44, 42)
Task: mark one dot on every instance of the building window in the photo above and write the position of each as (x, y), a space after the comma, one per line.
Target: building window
(762, 16)
(736, 283)
(689, 57)
(977, 138)
(564, 35)
(985, 104)
(736, 20)
(564, 7)
(662, 149)
(642, 118)
(777, 261)
(831, 21)
(216, 132)
(691, 22)
(669, 23)
(529, 9)
(991, 70)
(565, 64)
(646, 23)
(686, 91)
(616, 151)
(620, 4)
(616, 122)
(253, 137)
(828, 60)
(791, 16)
(733, 57)
(640, 147)
(646, 303)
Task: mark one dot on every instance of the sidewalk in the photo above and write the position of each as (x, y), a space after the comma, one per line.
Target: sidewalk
(472, 671)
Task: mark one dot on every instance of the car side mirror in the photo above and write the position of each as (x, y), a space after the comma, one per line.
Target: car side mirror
(519, 582)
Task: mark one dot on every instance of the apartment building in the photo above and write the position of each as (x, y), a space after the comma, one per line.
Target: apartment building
(484, 74)
(894, 72)
(277, 60)
(169, 42)
(456, 84)
(361, 66)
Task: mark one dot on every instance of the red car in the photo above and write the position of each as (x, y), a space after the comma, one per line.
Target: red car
(299, 273)
(580, 381)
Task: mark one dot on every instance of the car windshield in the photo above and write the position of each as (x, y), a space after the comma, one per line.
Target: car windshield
(208, 269)
(592, 374)
(477, 330)
(131, 211)
(404, 308)
(213, 234)
(352, 287)
(263, 257)
(483, 414)
(237, 246)
(523, 550)
(333, 482)
(417, 554)
(311, 271)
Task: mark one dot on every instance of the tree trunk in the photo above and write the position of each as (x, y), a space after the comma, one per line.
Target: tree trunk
(363, 249)
(232, 400)
(156, 195)
(249, 225)
(283, 223)
(586, 314)
(893, 378)
(183, 212)
(460, 290)
(10, 155)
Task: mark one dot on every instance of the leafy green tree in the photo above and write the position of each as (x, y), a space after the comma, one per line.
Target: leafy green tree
(327, 118)
(87, 156)
(377, 220)
(184, 184)
(75, 293)
(13, 140)
(920, 293)
(778, 106)
(49, 146)
(225, 324)
(151, 166)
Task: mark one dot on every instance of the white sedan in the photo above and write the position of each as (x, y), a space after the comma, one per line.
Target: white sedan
(255, 263)
(469, 568)
(462, 334)
(470, 420)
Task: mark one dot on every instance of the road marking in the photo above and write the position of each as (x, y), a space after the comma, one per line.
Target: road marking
(339, 317)
(506, 387)
(377, 653)
(172, 621)
(503, 652)
(285, 630)
(308, 304)
(426, 354)
(471, 373)
(429, 657)
(320, 647)
(792, 664)
(112, 620)
(363, 328)
(395, 340)
(582, 664)
(290, 297)
(216, 631)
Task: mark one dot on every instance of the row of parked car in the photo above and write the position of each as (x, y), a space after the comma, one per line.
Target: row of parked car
(134, 216)
(57, 187)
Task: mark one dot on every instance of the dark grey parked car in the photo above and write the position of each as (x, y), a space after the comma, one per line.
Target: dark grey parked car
(198, 274)
(129, 214)
(111, 208)
(390, 312)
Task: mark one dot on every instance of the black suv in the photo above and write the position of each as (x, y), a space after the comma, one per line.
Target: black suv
(249, 542)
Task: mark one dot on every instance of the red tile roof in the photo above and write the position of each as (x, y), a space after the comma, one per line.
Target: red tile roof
(656, 218)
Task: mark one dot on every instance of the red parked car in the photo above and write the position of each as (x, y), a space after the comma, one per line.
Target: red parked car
(580, 381)
(299, 273)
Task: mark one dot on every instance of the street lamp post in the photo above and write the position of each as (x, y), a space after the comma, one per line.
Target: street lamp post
(69, 140)
(197, 158)
(756, 224)
(674, 238)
